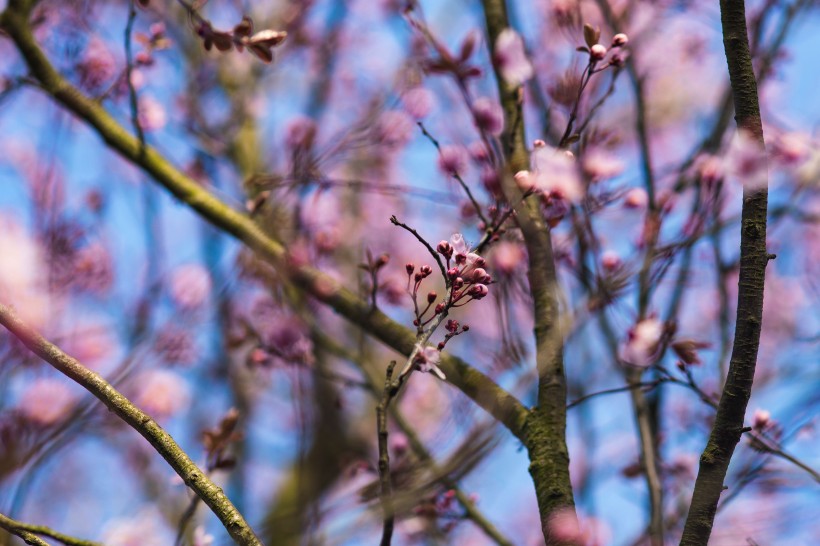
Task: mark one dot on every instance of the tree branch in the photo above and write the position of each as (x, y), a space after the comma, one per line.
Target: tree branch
(24, 530)
(546, 424)
(728, 426)
(162, 442)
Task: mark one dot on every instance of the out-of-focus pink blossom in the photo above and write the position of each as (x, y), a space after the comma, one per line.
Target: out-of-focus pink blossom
(22, 272)
(761, 420)
(746, 161)
(554, 172)
(610, 261)
(636, 198)
(176, 346)
(452, 160)
(488, 115)
(93, 269)
(792, 148)
(97, 65)
(507, 257)
(643, 341)
(190, 286)
(46, 401)
(418, 102)
(152, 116)
(161, 393)
(427, 360)
(564, 527)
(511, 58)
(395, 129)
(138, 530)
(710, 168)
(601, 165)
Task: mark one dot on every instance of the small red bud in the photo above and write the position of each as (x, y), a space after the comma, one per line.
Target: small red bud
(439, 308)
(431, 297)
(465, 328)
(410, 268)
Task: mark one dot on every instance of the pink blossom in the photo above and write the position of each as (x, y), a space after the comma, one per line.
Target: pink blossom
(564, 527)
(152, 115)
(554, 172)
(601, 165)
(762, 420)
(161, 393)
(642, 343)
(597, 52)
(418, 102)
(395, 129)
(93, 269)
(190, 286)
(511, 58)
(46, 401)
(175, 345)
(620, 40)
(452, 160)
(507, 257)
(427, 360)
(746, 161)
(488, 115)
(610, 261)
(97, 65)
(636, 198)
(458, 244)
(792, 148)
(710, 168)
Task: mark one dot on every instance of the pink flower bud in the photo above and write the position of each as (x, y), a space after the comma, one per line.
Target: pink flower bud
(525, 180)
(445, 249)
(538, 143)
(478, 291)
(636, 198)
(439, 308)
(431, 296)
(425, 271)
(451, 326)
(610, 261)
(761, 420)
(458, 283)
(620, 40)
(410, 268)
(452, 272)
(597, 52)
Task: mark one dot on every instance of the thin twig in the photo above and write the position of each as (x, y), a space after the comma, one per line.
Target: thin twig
(384, 458)
(430, 249)
(129, 66)
(456, 175)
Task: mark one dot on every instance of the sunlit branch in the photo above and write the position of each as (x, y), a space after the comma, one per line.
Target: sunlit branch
(162, 442)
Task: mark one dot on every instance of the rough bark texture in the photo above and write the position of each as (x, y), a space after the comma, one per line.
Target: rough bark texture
(545, 428)
(727, 429)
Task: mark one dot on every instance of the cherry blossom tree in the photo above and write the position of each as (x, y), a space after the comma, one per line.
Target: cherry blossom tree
(408, 272)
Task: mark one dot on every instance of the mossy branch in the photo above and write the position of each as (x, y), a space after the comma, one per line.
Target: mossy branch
(546, 424)
(162, 442)
(25, 530)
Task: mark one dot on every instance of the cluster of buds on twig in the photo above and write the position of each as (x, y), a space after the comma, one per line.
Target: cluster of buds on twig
(466, 275)
(453, 329)
(260, 44)
(597, 52)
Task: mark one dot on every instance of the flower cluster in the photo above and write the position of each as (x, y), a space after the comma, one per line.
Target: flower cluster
(598, 52)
